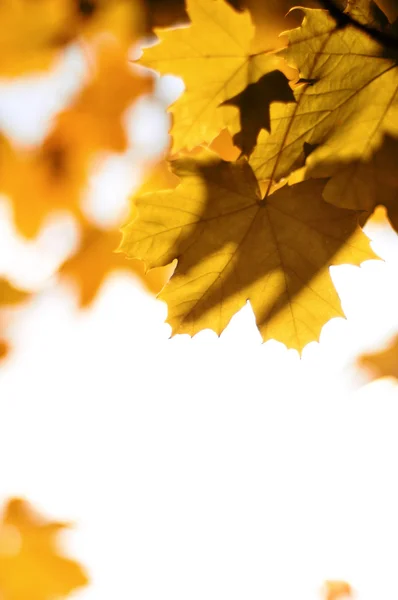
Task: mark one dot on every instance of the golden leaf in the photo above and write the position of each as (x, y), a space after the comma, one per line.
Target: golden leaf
(232, 246)
(96, 259)
(31, 567)
(217, 59)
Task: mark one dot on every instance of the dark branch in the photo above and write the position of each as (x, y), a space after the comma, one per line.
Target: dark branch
(345, 20)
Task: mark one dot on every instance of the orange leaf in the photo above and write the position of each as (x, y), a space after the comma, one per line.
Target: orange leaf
(96, 259)
(31, 567)
(383, 363)
(9, 297)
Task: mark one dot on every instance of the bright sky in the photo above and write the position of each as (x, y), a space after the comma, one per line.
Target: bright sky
(197, 468)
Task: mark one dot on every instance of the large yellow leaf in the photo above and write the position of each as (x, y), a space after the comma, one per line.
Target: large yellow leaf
(348, 101)
(31, 566)
(232, 246)
(216, 58)
(96, 259)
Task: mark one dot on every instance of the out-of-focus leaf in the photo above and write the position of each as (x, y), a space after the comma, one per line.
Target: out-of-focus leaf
(232, 246)
(165, 13)
(335, 590)
(33, 32)
(9, 298)
(343, 71)
(54, 175)
(383, 363)
(96, 259)
(31, 566)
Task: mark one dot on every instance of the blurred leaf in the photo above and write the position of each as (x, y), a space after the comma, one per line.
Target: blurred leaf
(334, 590)
(31, 567)
(54, 176)
(96, 259)
(383, 363)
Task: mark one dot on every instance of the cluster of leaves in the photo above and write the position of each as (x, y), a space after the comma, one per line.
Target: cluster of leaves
(315, 126)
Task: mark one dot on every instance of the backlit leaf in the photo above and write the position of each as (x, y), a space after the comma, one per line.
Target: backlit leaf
(217, 59)
(348, 100)
(232, 247)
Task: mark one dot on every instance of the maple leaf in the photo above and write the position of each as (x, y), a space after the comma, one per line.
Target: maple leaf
(232, 246)
(54, 175)
(364, 185)
(383, 363)
(31, 567)
(9, 297)
(96, 259)
(344, 71)
(216, 58)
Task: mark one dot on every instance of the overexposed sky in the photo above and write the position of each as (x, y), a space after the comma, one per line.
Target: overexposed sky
(198, 468)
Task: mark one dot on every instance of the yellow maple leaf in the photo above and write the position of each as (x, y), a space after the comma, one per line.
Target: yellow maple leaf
(31, 567)
(232, 246)
(383, 363)
(96, 259)
(335, 112)
(9, 297)
(217, 59)
(54, 175)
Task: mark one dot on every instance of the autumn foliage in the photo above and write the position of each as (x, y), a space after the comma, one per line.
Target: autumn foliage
(282, 144)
